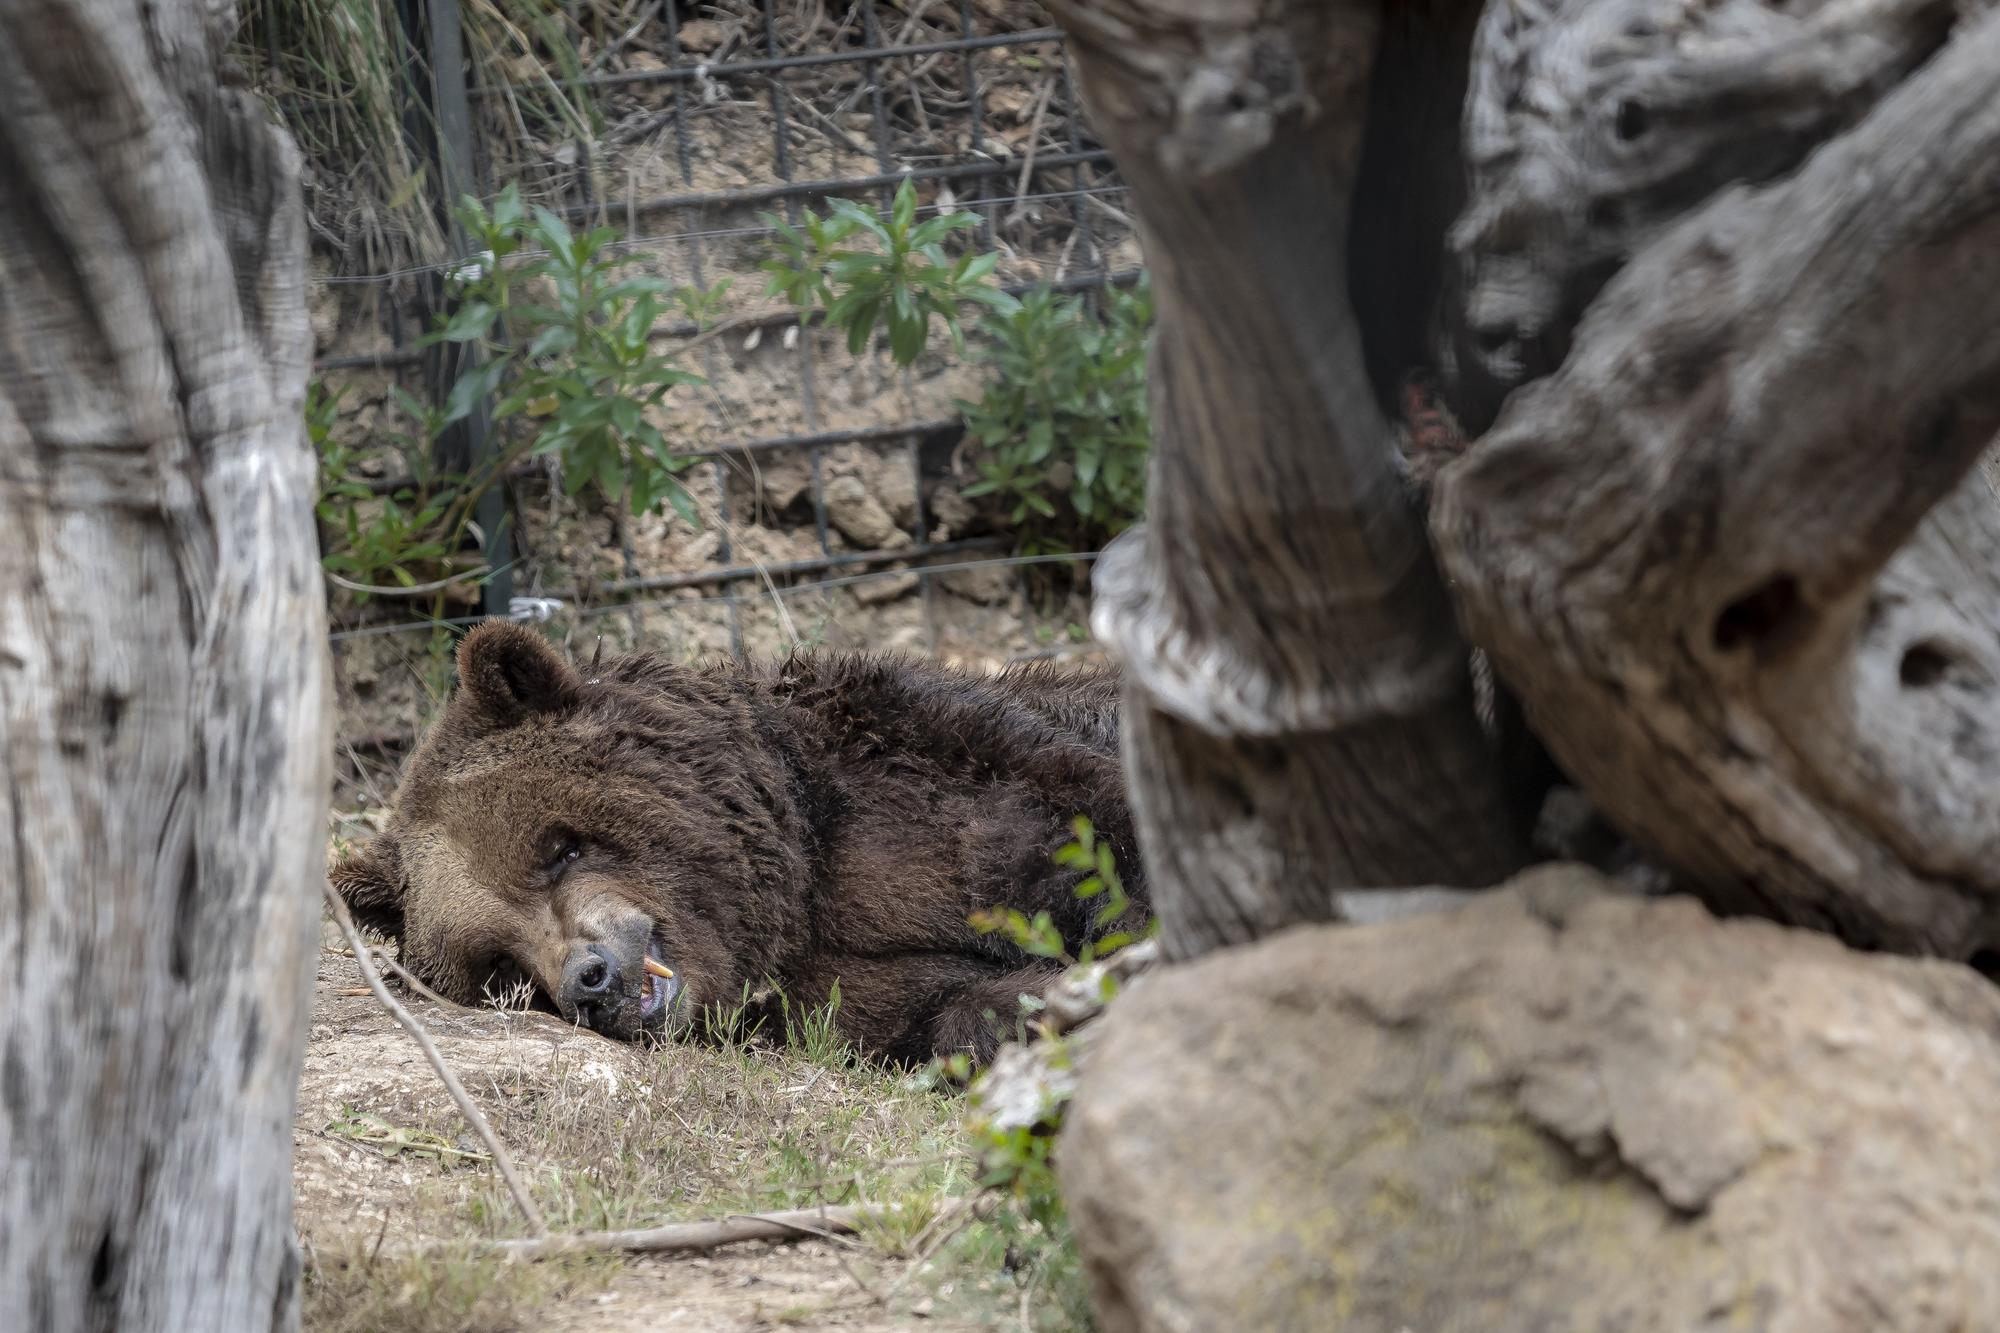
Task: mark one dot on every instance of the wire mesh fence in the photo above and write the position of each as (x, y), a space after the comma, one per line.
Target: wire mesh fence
(706, 117)
(1060, 175)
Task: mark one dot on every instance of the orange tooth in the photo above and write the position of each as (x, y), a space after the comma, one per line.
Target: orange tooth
(658, 969)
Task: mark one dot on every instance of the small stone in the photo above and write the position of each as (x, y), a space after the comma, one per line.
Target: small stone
(876, 591)
(703, 36)
(861, 517)
(951, 514)
(656, 92)
(988, 585)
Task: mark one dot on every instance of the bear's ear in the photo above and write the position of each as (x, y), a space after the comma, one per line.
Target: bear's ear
(509, 672)
(370, 881)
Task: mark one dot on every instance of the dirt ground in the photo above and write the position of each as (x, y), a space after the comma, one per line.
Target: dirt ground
(613, 1135)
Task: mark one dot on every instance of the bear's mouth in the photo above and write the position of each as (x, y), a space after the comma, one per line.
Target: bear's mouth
(659, 987)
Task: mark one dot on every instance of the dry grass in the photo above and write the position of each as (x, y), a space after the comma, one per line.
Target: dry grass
(619, 1137)
(442, 1294)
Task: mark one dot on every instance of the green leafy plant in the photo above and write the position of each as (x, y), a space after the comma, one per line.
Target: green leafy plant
(566, 363)
(379, 549)
(322, 413)
(892, 271)
(1014, 1138)
(1103, 881)
(368, 539)
(1063, 426)
(574, 377)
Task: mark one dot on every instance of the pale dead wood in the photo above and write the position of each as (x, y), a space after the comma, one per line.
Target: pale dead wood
(792, 1225)
(1299, 710)
(363, 959)
(1734, 554)
(1591, 126)
(164, 700)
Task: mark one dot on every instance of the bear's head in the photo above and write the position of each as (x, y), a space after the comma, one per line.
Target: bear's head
(627, 844)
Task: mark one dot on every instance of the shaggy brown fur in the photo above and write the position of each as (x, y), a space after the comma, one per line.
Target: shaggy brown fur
(826, 818)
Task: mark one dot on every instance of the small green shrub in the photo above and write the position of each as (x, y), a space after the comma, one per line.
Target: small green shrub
(1016, 1151)
(900, 278)
(369, 540)
(569, 369)
(574, 378)
(1063, 426)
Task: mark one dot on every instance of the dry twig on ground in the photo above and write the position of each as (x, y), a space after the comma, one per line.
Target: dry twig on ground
(409, 979)
(795, 1224)
(364, 959)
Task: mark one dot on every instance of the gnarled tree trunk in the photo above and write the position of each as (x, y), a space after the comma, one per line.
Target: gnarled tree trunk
(1724, 300)
(1731, 555)
(163, 718)
(1299, 714)
(1734, 553)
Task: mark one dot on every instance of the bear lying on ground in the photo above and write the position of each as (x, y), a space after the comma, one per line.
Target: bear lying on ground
(823, 819)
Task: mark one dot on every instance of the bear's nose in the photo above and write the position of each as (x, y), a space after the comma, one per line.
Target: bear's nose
(590, 988)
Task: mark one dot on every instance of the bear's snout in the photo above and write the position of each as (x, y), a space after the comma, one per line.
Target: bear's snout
(613, 982)
(592, 987)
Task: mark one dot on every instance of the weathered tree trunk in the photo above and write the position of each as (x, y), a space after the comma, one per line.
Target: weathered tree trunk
(1727, 292)
(1704, 553)
(162, 677)
(1733, 554)
(1299, 714)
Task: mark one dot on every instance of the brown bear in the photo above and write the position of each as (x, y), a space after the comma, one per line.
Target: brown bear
(641, 840)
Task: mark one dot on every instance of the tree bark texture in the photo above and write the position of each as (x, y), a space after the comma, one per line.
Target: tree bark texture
(1590, 128)
(1734, 554)
(163, 676)
(1299, 716)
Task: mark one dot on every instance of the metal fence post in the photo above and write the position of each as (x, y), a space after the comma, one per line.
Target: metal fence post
(456, 179)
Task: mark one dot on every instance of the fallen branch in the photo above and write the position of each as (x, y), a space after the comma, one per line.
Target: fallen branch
(795, 1224)
(413, 590)
(409, 979)
(364, 959)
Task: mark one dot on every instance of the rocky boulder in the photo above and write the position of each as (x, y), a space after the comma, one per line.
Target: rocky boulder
(1560, 1107)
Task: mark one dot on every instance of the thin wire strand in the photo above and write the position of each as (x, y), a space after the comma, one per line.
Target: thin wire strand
(791, 590)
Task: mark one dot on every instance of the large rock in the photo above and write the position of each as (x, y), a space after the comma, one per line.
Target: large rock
(1558, 1108)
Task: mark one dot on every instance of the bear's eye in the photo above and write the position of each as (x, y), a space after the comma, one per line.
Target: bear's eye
(563, 853)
